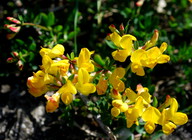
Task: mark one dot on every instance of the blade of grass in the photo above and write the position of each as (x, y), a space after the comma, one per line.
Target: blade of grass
(75, 27)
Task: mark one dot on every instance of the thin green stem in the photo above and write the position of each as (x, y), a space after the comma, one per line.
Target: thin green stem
(75, 28)
(39, 26)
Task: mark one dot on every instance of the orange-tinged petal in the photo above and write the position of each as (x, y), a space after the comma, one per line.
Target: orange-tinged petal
(52, 102)
(101, 86)
(115, 94)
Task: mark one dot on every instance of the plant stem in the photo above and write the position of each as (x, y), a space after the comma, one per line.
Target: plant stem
(75, 27)
(39, 26)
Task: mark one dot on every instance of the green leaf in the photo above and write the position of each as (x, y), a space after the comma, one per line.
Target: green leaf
(71, 77)
(72, 55)
(50, 19)
(58, 28)
(19, 41)
(44, 19)
(99, 60)
(111, 44)
(63, 80)
(31, 56)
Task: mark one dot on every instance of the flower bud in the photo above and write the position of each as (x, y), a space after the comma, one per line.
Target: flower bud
(112, 28)
(14, 20)
(15, 54)
(20, 65)
(10, 60)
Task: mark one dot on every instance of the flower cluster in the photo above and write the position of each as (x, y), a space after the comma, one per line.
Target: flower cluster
(145, 56)
(137, 106)
(67, 76)
(63, 75)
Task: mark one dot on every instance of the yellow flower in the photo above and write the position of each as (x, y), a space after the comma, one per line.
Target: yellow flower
(60, 67)
(52, 102)
(153, 40)
(118, 107)
(125, 45)
(136, 66)
(67, 91)
(83, 85)
(37, 83)
(115, 111)
(115, 77)
(134, 112)
(83, 61)
(56, 51)
(155, 56)
(142, 92)
(115, 94)
(120, 104)
(150, 58)
(170, 118)
(151, 116)
(101, 86)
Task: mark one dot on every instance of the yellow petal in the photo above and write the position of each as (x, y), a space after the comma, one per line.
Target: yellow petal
(52, 102)
(149, 127)
(126, 43)
(168, 128)
(137, 55)
(130, 36)
(180, 118)
(123, 107)
(67, 98)
(120, 55)
(57, 51)
(131, 94)
(163, 47)
(115, 111)
(146, 96)
(101, 86)
(138, 69)
(163, 59)
(115, 38)
(67, 88)
(120, 72)
(83, 76)
(151, 114)
(86, 89)
(84, 61)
